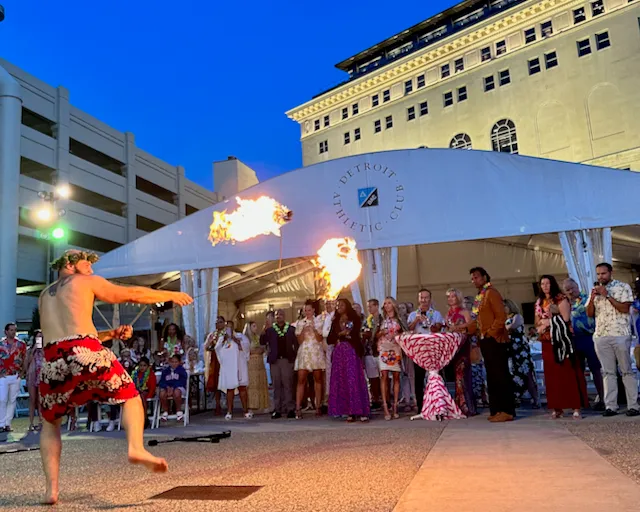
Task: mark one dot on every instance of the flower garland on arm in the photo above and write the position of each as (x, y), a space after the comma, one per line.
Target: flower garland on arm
(479, 298)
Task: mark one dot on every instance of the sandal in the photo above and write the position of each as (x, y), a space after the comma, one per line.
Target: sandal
(577, 415)
(556, 415)
(298, 414)
(364, 419)
(318, 413)
(32, 428)
(350, 419)
(395, 412)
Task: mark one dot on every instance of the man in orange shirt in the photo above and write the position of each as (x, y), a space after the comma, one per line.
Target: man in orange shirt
(488, 309)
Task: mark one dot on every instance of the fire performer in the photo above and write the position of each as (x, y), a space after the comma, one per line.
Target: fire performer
(77, 368)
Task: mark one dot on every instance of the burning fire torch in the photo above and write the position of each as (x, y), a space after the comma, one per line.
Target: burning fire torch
(338, 264)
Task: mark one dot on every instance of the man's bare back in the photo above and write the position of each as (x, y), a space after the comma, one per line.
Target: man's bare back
(66, 308)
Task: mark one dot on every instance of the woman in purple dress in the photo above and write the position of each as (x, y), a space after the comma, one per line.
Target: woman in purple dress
(348, 393)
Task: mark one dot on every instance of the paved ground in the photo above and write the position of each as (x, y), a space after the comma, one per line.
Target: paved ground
(531, 464)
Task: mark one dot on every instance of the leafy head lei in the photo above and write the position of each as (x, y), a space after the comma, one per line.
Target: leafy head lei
(73, 257)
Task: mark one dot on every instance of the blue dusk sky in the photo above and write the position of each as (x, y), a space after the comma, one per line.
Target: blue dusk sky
(197, 81)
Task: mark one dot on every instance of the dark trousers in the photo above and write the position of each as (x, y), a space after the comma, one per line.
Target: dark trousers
(499, 380)
(419, 376)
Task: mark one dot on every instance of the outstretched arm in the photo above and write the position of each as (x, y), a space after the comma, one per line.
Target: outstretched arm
(115, 294)
(124, 332)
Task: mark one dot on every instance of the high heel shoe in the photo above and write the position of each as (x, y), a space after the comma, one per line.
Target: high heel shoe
(387, 416)
(395, 412)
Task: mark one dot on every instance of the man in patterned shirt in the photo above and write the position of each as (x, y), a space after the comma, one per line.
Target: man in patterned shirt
(13, 352)
(609, 303)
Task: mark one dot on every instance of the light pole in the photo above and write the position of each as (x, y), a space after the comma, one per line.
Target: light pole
(47, 216)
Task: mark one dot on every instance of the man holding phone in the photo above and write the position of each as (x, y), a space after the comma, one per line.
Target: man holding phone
(609, 303)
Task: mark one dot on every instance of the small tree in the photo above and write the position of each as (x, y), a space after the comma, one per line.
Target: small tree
(35, 321)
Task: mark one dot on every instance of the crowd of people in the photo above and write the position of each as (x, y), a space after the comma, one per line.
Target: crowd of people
(337, 360)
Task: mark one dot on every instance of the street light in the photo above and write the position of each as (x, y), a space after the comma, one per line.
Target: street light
(48, 216)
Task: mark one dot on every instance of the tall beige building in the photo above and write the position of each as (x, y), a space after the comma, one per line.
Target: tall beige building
(555, 79)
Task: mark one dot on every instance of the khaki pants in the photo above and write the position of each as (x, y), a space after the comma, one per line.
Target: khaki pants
(614, 352)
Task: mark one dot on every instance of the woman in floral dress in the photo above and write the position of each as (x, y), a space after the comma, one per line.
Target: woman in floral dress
(522, 367)
(258, 386)
(348, 393)
(310, 358)
(390, 359)
(33, 365)
(458, 320)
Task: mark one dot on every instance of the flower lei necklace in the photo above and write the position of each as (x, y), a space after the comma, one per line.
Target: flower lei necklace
(478, 300)
(369, 321)
(280, 333)
(142, 385)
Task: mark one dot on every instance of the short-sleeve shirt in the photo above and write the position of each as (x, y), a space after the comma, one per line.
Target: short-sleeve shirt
(11, 361)
(610, 321)
(434, 318)
(581, 322)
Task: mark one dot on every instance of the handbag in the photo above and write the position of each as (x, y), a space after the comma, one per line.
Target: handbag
(561, 340)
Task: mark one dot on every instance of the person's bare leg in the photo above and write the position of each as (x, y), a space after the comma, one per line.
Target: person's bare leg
(302, 380)
(33, 401)
(50, 450)
(396, 392)
(317, 384)
(384, 384)
(217, 397)
(133, 421)
(244, 398)
(177, 398)
(164, 401)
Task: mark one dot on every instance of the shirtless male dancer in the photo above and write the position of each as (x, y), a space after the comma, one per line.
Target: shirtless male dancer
(77, 368)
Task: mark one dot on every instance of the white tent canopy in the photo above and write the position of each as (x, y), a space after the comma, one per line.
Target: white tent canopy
(502, 211)
(424, 196)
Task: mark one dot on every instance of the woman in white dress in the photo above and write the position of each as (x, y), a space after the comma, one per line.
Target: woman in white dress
(390, 359)
(310, 358)
(233, 351)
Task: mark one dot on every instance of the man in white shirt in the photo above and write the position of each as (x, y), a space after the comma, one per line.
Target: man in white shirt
(424, 320)
(609, 303)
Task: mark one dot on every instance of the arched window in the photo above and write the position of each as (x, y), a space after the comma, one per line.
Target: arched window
(460, 141)
(504, 138)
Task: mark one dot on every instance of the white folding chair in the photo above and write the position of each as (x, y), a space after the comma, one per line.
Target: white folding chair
(22, 401)
(154, 410)
(185, 403)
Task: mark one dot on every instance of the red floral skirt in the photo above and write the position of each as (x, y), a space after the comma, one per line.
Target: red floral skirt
(79, 370)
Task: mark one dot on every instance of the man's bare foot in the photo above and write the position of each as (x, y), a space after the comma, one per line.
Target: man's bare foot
(155, 464)
(50, 498)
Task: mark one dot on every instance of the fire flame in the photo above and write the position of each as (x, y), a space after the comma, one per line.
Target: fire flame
(262, 216)
(338, 264)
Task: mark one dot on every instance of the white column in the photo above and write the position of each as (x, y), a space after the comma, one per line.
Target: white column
(130, 174)
(10, 120)
(188, 312)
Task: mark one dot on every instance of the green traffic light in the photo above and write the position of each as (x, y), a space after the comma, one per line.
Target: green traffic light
(57, 233)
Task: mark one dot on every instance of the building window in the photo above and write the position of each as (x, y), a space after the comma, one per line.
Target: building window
(96, 157)
(489, 83)
(37, 122)
(424, 108)
(505, 77)
(578, 15)
(420, 81)
(501, 47)
(529, 35)
(323, 147)
(448, 99)
(354, 109)
(316, 125)
(550, 60)
(347, 138)
(584, 47)
(602, 40)
(326, 121)
(375, 100)
(445, 71)
(411, 113)
(377, 128)
(408, 86)
(504, 138)
(597, 7)
(546, 29)
(534, 66)
(345, 113)
(356, 134)
(485, 54)
(460, 141)
(386, 96)
(459, 65)
(462, 93)
(388, 122)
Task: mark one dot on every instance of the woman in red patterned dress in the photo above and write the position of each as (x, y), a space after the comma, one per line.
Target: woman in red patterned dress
(565, 383)
(458, 320)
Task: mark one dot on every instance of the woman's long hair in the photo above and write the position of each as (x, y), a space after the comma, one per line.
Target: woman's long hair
(512, 307)
(179, 333)
(554, 289)
(247, 331)
(394, 302)
(353, 317)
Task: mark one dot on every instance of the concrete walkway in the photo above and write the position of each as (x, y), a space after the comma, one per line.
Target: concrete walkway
(522, 466)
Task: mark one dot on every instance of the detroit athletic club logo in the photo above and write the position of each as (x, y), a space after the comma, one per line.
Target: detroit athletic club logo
(368, 197)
